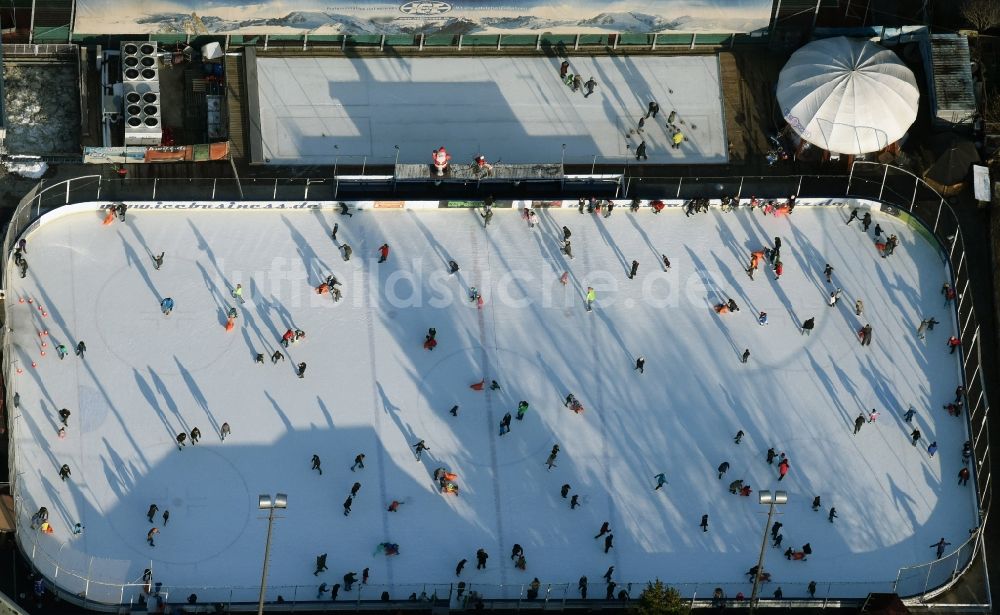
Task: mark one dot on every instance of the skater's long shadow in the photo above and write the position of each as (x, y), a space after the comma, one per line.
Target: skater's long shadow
(315, 267)
(395, 413)
(432, 241)
(213, 289)
(903, 501)
(645, 238)
(130, 223)
(848, 384)
(602, 229)
(833, 395)
(196, 393)
(729, 239)
(150, 396)
(610, 325)
(877, 383)
(125, 476)
(207, 249)
(132, 259)
(281, 413)
(326, 412)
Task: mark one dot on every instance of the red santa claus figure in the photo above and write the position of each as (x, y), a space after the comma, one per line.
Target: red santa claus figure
(441, 158)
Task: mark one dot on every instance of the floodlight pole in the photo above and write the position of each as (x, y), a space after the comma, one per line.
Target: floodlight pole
(764, 497)
(264, 502)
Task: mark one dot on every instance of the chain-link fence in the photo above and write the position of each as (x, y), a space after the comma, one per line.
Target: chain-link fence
(82, 579)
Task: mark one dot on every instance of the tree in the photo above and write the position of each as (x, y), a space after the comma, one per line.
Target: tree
(659, 599)
(981, 14)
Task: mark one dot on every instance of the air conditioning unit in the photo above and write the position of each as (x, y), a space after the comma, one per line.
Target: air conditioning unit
(141, 93)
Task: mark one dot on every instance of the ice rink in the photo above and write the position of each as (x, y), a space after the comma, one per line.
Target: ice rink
(371, 388)
(324, 111)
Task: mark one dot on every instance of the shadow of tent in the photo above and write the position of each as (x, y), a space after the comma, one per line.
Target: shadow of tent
(955, 157)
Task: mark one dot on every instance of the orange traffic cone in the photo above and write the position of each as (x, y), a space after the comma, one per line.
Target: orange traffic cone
(478, 386)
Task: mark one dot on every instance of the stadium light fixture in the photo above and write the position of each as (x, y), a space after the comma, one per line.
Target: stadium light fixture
(264, 502)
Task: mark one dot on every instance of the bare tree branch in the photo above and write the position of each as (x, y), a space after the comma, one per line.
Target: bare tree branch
(981, 14)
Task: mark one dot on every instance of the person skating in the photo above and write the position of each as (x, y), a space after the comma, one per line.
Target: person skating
(609, 542)
(454, 410)
(661, 479)
(505, 424)
(64, 415)
(808, 326)
(640, 151)
(347, 251)
(853, 216)
(953, 343)
(640, 364)
(908, 415)
(452, 267)
(605, 529)
(591, 298)
(349, 580)
(777, 540)
(746, 355)
(522, 407)
(633, 270)
(833, 515)
(166, 517)
(828, 272)
(516, 551)
(150, 535)
(866, 221)
(782, 469)
(195, 435)
(158, 260)
(704, 523)
(589, 86)
(333, 233)
(963, 476)
(355, 488)
(301, 371)
(859, 423)
(167, 306)
(577, 83)
(815, 504)
(873, 415)
(551, 461)
(336, 586)
(940, 546)
(723, 468)
(460, 566)
(347, 505)
(153, 508)
(316, 464)
(564, 490)
(776, 528)
(859, 307)
(80, 349)
(567, 248)
(322, 590)
(563, 69)
(771, 454)
(914, 437)
(652, 109)
(181, 440)
(932, 448)
(666, 262)
(237, 293)
(61, 351)
(834, 297)
(582, 586)
(383, 253)
(487, 216)
(320, 564)
(481, 557)
(419, 448)
(739, 436)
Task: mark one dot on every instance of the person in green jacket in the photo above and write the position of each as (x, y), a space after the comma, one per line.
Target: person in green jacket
(591, 297)
(521, 409)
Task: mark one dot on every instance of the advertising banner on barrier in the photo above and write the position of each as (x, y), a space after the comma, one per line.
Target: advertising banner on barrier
(156, 153)
(454, 17)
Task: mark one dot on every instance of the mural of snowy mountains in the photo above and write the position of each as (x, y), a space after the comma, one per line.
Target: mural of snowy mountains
(420, 16)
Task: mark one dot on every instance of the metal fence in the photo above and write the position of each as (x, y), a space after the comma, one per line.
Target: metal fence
(73, 577)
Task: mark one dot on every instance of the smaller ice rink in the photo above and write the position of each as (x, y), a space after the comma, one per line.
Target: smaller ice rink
(316, 111)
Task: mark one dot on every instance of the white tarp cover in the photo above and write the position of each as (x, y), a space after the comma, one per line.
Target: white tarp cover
(847, 96)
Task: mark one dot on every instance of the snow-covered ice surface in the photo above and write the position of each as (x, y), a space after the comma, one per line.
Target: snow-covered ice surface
(370, 387)
(514, 109)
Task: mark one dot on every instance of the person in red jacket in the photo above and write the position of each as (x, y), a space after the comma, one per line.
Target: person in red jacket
(953, 343)
(383, 253)
(782, 469)
(287, 338)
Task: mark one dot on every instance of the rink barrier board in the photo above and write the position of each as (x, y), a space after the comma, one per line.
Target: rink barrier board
(334, 206)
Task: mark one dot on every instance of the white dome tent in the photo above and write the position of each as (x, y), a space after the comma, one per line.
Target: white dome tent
(847, 96)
